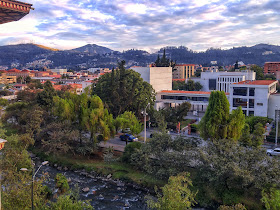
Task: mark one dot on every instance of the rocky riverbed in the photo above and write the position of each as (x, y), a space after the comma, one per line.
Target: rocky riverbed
(103, 192)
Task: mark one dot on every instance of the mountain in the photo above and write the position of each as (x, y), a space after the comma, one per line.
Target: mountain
(93, 49)
(34, 56)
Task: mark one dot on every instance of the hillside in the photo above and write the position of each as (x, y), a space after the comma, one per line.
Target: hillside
(38, 56)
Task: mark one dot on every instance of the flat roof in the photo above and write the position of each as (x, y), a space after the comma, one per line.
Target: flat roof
(188, 92)
(256, 82)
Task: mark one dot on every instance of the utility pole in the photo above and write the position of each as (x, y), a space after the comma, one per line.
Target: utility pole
(277, 119)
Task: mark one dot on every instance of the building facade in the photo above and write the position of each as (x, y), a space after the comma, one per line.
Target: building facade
(183, 71)
(159, 77)
(252, 96)
(271, 67)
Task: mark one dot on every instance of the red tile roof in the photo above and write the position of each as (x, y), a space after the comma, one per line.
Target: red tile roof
(73, 85)
(187, 92)
(14, 70)
(185, 65)
(256, 82)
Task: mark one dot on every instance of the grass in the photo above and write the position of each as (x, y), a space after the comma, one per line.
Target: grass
(118, 170)
(185, 123)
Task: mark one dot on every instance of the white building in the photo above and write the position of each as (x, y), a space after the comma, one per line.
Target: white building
(59, 71)
(220, 80)
(159, 77)
(253, 96)
(273, 104)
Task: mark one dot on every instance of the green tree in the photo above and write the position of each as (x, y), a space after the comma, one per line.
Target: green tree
(258, 135)
(236, 123)
(128, 120)
(197, 86)
(45, 98)
(246, 138)
(176, 194)
(259, 72)
(271, 199)
(124, 90)
(190, 85)
(67, 202)
(214, 124)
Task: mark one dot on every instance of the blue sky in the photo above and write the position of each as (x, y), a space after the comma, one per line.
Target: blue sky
(147, 24)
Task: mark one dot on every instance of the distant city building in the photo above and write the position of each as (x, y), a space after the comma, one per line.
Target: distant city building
(271, 67)
(159, 77)
(183, 71)
(5, 79)
(214, 62)
(252, 96)
(20, 73)
(59, 71)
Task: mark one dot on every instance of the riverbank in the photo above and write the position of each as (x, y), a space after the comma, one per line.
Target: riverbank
(98, 167)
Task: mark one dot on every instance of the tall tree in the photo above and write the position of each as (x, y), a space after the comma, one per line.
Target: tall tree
(259, 72)
(131, 93)
(45, 98)
(214, 124)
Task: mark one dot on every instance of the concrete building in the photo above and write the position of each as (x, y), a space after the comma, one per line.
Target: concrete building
(273, 104)
(220, 80)
(183, 71)
(4, 79)
(59, 71)
(271, 67)
(159, 77)
(252, 96)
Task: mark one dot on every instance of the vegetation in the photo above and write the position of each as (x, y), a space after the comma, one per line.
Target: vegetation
(124, 90)
(176, 194)
(190, 85)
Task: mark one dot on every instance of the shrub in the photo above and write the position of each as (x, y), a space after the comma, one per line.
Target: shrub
(61, 183)
(129, 150)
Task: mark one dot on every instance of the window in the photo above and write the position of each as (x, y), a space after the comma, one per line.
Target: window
(260, 104)
(240, 102)
(251, 91)
(251, 103)
(212, 84)
(240, 91)
(251, 113)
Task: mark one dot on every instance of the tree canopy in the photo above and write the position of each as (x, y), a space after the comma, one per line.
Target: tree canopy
(124, 90)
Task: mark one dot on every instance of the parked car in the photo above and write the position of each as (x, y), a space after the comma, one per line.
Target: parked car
(274, 152)
(128, 137)
(126, 130)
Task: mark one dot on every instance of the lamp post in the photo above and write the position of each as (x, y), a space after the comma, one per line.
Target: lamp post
(145, 126)
(33, 178)
(276, 119)
(2, 144)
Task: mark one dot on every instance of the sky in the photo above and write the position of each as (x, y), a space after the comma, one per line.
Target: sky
(147, 24)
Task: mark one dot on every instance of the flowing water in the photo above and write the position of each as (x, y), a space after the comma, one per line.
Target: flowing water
(103, 193)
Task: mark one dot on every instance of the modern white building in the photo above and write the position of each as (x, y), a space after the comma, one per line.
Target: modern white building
(221, 80)
(159, 77)
(253, 96)
(59, 71)
(273, 104)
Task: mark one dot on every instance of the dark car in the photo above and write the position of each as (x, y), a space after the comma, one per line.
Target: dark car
(128, 137)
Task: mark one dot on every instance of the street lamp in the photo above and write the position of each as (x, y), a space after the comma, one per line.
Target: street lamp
(2, 144)
(145, 126)
(277, 119)
(33, 178)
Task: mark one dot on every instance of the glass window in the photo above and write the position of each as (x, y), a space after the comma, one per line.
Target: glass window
(251, 91)
(251, 103)
(240, 91)
(240, 102)
(251, 113)
(260, 104)
(212, 84)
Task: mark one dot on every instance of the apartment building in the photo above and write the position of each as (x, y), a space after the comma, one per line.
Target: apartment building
(271, 67)
(183, 71)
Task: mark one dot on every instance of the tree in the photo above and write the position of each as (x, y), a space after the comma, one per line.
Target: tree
(258, 135)
(190, 85)
(214, 124)
(271, 199)
(28, 79)
(197, 86)
(176, 194)
(259, 72)
(124, 90)
(236, 123)
(128, 120)
(45, 98)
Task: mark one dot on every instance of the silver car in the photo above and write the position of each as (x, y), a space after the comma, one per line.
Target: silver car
(275, 152)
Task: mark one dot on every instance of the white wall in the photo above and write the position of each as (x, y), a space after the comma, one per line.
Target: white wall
(273, 101)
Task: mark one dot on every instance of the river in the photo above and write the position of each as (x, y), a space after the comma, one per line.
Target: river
(103, 193)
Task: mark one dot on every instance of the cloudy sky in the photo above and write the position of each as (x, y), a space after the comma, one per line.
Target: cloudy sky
(147, 24)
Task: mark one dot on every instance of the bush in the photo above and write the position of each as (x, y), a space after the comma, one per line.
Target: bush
(194, 128)
(129, 150)
(254, 120)
(62, 183)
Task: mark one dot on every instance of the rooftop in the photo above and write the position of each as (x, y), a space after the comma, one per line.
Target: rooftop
(187, 92)
(256, 82)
